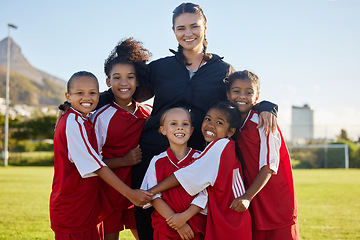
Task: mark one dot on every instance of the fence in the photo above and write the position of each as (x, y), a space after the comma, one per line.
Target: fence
(320, 156)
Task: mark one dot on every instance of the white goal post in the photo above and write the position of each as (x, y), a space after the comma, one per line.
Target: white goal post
(326, 147)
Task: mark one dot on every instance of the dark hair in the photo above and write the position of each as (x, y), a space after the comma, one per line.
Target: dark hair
(190, 8)
(242, 75)
(77, 75)
(130, 51)
(233, 117)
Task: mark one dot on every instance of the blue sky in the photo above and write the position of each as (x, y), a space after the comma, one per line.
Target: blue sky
(304, 51)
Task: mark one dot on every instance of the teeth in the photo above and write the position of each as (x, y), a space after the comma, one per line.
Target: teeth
(241, 103)
(210, 133)
(179, 134)
(86, 104)
(124, 90)
(189, 40)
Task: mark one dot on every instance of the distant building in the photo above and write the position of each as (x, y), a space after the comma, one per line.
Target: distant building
(22, 110)
(302, 124)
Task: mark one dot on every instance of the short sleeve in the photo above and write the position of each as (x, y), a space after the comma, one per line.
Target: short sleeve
(101, 120)
(201, 199)
(150, 179)
(204, 171)
(81, 153)
(269, 150)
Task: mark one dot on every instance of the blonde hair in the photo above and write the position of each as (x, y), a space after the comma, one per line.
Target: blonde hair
(166, 113)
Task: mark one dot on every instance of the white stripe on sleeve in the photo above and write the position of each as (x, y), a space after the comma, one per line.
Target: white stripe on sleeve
(204, 171)
(81, 153)
(269, 150)
(237, 184)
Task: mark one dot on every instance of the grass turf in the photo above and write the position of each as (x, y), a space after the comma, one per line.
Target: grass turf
(328, 202)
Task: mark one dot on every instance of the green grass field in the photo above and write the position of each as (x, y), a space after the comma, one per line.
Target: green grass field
(36, 158)
(329, 206)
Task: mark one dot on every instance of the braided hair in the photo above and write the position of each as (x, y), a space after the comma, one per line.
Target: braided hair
(190, 8)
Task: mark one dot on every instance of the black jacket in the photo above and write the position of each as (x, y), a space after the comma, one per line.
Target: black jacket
(172, 86)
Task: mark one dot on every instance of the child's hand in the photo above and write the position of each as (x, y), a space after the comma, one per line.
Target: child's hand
(186, 232)
(133, 157)
(176, 221)
(240, 204)
(269, 121)
(140, 197)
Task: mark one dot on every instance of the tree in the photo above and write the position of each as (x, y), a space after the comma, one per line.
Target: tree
(38, 128)
(354, 149)
(343, 135)
(12, 127)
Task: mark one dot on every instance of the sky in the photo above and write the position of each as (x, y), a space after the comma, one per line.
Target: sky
(304, 51)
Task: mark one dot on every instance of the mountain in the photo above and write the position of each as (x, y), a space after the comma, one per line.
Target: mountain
(28, 85)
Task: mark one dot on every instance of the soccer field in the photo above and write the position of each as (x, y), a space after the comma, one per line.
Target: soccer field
(328, 202)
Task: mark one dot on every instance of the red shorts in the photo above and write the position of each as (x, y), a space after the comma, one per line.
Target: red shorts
(120, 219)
(289, 232)
(95, 233)
(159, 236)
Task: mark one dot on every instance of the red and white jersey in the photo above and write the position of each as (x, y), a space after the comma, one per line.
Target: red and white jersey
(161, 167)
(275, 205)
(76, 200)
(118, 131)
(219, 169)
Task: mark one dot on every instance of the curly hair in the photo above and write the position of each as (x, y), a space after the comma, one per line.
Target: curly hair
(130, 51)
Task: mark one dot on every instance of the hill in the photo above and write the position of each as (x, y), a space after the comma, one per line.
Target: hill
(26, 91)
(28, 85)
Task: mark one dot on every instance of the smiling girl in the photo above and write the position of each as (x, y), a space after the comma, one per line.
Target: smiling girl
(78, 204)
(177, 213)
(118, 126)
(192, 78)
(219, 170)
(270, 194)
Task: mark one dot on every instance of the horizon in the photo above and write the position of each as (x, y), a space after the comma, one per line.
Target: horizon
(304, 52)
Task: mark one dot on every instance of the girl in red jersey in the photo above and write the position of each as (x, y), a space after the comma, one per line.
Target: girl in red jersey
(118, 127)
(267, 167)
(219, 170)
(177, 213)
(77, 203)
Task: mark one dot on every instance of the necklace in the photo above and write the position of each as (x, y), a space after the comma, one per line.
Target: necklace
(200, 64)
(202, 59)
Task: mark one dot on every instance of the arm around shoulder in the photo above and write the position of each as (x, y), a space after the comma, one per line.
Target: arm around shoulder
(267, 116)
(266, 106)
